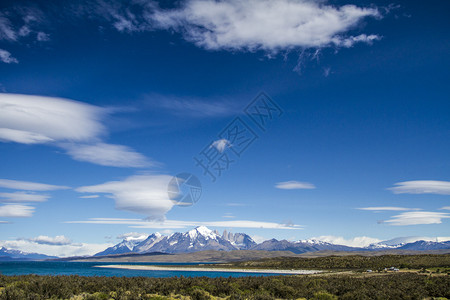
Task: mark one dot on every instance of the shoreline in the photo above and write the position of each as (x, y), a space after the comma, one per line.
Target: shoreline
(194, 269)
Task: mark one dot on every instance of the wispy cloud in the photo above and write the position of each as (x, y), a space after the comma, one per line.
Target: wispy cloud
(22, 197)
(194, 107)
(422, 187)
(445, 208)
(16, 211)
(142, 194)
(29, 186)
(17, 23)
(89, 196)
(294, 185)
(387, 208)
(7, 58)
(74, 126)
(107, 155)
(171, 224)
(417, 218)
(270, 25)
(235, 204)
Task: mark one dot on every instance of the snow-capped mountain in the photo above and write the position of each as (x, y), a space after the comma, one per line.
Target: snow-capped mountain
(409, 243)
(148, 243)
(127, 245)
(301, 246)
(240, 240)
(197, 239)
(202, 238)
(426, 245)
(13, 255)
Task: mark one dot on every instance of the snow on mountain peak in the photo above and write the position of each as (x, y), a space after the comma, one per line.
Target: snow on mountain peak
(203, 231)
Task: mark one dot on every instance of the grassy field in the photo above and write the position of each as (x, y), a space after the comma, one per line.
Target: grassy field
(390, 286)
(353, 262)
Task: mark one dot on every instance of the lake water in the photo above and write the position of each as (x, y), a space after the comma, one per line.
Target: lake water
(89, 269)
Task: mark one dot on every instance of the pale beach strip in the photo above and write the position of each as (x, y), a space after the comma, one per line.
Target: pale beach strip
(193, 269)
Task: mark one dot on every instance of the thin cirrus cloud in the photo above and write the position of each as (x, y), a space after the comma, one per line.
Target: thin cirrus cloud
(22, 197)
(387, 208)
(108, 155)
(294, 185)
(16, 211)
(142, 194)
(29, 186)
(194, 107)
(417, 218)
(422, 187)
(172, 224)
(26, 194)
(71, 125)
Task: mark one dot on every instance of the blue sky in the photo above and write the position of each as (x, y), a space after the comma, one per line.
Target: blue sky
(101, 104)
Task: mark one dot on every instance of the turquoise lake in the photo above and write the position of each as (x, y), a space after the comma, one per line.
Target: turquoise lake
(89, 269)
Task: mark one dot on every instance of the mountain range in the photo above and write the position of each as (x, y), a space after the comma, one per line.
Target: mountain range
(14, 255)
(202, 238)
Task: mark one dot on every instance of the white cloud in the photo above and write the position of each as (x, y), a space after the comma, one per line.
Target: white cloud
(17, 23)
(6, 30)
(417, 218)
(294, 185)
(42, 36)
(74, 126)
(22, 197)
(445, 207)
(270, 25)
(359, 241)
(23, 137)
(50, 119)
(171, 224)
(132, 236)
(228, 216)
(107, 155)
(16, 211)
(258, 239)
(221, 145)
(81, 249)
(7, 58)
(29, 186)
(89, 196)
(422, 187)
(142, 194)
(195, 107)
(47, 240)
(235, 204)
(387, 208)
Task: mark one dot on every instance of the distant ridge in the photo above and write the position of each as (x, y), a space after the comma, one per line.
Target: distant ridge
(16, 255)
